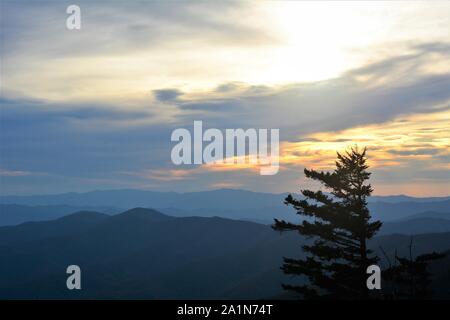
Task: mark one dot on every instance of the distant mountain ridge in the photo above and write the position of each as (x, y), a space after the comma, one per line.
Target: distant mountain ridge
(415, 226)
(403, 198)
(227, 203)
(124, 198)
(130, 198)
(13, 214)
(429, 214)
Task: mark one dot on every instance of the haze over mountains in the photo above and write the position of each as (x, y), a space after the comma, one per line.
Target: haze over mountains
(12, 214)
(227, 203)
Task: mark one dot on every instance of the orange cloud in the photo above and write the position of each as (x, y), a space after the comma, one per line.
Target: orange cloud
(162, 174)
(421, 137)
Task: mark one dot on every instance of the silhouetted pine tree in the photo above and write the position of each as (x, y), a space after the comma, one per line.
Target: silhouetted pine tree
(338, 223)
(410, 278)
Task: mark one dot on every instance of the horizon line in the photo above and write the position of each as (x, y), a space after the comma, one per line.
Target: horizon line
(199, 191)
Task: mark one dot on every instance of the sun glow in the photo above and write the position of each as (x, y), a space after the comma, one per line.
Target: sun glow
(321, 40)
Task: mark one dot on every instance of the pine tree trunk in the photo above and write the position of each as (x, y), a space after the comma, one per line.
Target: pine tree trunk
(364, 289)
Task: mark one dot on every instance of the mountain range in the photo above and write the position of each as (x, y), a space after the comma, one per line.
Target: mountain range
(200, 245)
(144, 254)
(227, 203)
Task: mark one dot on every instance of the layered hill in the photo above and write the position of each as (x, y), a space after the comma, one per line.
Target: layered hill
(144, 254)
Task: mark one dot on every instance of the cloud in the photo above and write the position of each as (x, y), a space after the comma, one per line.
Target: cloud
(13, 173)
(167, 95)
(416, 152)
(166, 175)
(117, 27)
(218, 105)
(225, 185)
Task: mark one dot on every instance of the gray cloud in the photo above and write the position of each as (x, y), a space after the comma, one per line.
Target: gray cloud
(415, 152)
(165, 95)
(38, 28)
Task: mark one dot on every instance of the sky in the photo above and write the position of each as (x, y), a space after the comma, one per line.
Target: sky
(94, 108)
